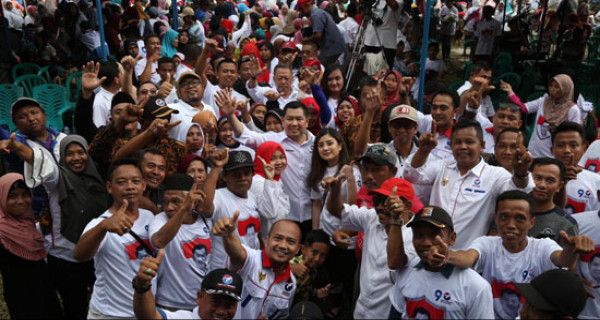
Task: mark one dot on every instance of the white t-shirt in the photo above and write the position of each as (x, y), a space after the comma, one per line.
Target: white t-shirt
(117, 262)
(180, 314)
(139, 69)
(540, 142)
(101, 112)
(264, 293)
(385, 34)
(588, 265)
(248, 229)
(486, 31)
(502, 269)
(486, 107)
(273, 203)
(591, 158)
(452, 293)
(582, 193)
(185, 263)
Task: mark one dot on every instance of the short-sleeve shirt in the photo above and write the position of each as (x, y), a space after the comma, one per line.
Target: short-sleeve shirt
(264, 292)
(452, 293)
(549, 224)
(502, 269)
(582, 193)
(332, 41)
(588, 265)
(591, 158)
(248, 229)
(180, 314)
(116, 262)
(185, 263)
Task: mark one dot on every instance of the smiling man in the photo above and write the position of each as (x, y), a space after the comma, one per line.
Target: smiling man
(514, 257)
(270, 284)
(466, 186)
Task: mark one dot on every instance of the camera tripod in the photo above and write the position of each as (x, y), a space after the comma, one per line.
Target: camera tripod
(358, 46)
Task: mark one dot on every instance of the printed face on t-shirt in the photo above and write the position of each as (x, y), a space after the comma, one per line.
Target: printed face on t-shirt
(510, 302)
(595, 268)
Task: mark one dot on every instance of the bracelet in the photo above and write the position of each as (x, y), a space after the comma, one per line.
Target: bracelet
(140, 290)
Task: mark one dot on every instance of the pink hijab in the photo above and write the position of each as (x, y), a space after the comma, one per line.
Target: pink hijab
(557, 111)
(18, 235)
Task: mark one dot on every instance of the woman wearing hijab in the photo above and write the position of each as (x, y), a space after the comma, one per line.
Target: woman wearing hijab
(191, 134)
(392, 85)
(27, 287)
(552, 109)
(225, 137)
(77, 194)
(170, 41)
(267, 189)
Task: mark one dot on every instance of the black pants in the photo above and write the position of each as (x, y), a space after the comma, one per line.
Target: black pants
(73, 281)
(27, 288)
(446, 41)
(341, 266)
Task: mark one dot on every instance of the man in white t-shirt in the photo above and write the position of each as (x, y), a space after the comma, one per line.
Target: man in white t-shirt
(270, 284)
(185, 235)
(190, 89)
(432, 288)
(480, 75)
(513, 257)
(217, 298)
(237, 174)
(375, 283)
(583, 186)
(591, 158)
(145, 69)
(114, 74)
(466, 186)
(588, 265)
(110, 241)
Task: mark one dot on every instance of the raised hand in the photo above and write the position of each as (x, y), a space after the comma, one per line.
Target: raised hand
(407, 83)
(89, 77)
(341, 239)
(437, 254)
(160, 127)
(268, 168)
(226, 226)
(8, 145)
(396, 207)
(194, 197)
(323, 293)
(119, 222)
(218, 157)
(372, 100)
(299, 269)
(272, 95)
(522, 160)
(212, 45)
(129, 62)
(166, 87)
(149, 269)
(577, 244)
(506, 87)
(572, 171)
(428, 140)
(225, 102)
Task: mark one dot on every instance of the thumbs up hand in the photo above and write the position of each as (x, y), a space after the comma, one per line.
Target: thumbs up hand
(226, 226)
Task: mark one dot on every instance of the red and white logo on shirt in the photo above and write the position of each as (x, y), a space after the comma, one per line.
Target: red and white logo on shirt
(135, 250)
(507, 299)
(249, 226)
(421, 309)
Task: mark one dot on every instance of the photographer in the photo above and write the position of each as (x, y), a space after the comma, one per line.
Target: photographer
(383, 27)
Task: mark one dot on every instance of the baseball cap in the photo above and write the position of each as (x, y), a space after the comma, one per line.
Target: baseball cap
(239, 159)
(157, 108)
(178, 181)
(302, 3)
(381, 154)
(404, 112)
(433, 215)
(121, 97)
(187, 11)
(23, 102)
(187, 74)
(404, 189)
(223, 282)
(289, 45)
(306, 310)
(555, 290)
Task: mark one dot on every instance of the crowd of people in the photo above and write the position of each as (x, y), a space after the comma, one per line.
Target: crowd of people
(228, 168)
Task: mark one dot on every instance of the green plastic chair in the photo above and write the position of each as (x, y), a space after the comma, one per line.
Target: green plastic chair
(23, 69)
(52, 97)
(28, 81)
(9, 93)
(502, 64)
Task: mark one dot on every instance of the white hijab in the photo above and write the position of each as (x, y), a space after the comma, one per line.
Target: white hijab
(180, 132)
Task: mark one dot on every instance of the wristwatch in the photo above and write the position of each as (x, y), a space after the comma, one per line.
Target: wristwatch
(139, 289)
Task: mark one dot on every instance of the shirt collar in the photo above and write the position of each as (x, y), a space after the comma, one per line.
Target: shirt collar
(446, 270)
(476, 170)
(448, 132)
(285, 275)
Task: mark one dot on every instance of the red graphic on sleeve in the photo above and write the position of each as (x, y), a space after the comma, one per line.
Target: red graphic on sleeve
(576, 206)
(422, 309)
(588, 257)
(593, 165)
(189, 247)
(541, 120)
(244, 226)
(135, 251)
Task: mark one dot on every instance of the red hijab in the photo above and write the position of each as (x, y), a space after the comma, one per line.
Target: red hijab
(311, 104)
(266, 151)
(354, 104)
(251, 49)
(392, 97)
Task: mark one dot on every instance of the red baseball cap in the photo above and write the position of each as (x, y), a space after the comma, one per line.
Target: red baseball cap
(289, 45)
(302, 3)
(404, 189)
(312, 62)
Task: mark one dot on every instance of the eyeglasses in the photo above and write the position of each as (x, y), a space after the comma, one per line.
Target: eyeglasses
(150, 92)
(192, 83)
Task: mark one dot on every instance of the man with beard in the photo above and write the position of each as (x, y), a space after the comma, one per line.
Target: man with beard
(190, 90)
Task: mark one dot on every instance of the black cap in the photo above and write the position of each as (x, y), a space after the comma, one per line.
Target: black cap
(381, 154)
(157, 108)
(223, 282)
(23, 102)
(305, 310)
(239, 159)
(556, 291)
(433, 215)
(178, 181)
(121, 97)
